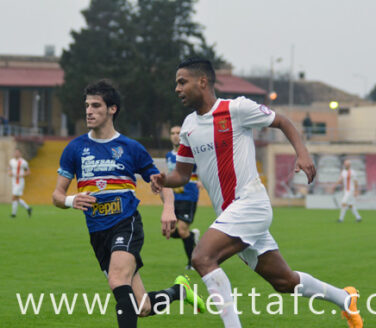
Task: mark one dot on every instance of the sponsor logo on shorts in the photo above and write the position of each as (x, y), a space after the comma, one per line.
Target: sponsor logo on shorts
(119, 241)
(107, 208)
(220, 222)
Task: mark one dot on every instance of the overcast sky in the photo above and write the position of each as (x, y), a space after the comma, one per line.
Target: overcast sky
(333, 40)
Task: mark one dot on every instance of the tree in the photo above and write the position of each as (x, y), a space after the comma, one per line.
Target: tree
(138, 46)
(372, 94)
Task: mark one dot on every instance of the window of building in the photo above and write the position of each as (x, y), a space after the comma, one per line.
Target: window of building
(319, 128)
(14, 105)
(344, 111)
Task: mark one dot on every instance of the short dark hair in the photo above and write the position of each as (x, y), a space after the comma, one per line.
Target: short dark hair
(200, 65)
(107, 91)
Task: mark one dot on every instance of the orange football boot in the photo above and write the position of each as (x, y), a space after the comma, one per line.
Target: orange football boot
(354, 320)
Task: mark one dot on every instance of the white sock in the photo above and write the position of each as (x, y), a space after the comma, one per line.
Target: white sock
(218, 283)
(23, 203)
(313, 286)
(355, 212)
(14, 207)
(342, 213)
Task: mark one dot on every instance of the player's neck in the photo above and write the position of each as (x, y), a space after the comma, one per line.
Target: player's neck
(175, 148)
(103, 132)
(207, 104)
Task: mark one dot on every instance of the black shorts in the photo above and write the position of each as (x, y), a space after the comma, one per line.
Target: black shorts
(127, 236)
(185, 210)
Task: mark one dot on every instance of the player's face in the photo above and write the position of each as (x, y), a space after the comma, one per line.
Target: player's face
(174, 136)
(17, 153)
(97, 113)
(188, 88)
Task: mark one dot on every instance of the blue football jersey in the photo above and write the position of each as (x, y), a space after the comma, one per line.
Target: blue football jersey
(189, 191)
(106, 169)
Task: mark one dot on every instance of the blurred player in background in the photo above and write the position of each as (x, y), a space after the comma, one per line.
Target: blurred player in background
(349, 181)
(105, 163)
(18, 169)
(186, 198)
(217, 137)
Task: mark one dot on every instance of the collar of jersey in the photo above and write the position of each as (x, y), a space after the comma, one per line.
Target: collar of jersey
(116, 135)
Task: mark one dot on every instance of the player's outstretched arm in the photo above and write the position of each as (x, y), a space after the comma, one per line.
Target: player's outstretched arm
(304, 161)
(81, 201)
(168, 218)
(178, 177)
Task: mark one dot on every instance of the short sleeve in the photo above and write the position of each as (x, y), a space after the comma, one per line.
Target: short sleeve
(26, 165)
(144, 163)
(251, 114)
(185, 154)
(67, 167)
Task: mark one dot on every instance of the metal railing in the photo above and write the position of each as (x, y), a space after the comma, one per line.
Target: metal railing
(19, 131)
(356, 135)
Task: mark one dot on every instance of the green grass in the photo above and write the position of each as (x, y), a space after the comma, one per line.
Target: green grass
(51, 254)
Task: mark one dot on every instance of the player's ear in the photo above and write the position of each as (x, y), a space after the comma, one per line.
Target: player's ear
(203, 81)
(112, 109)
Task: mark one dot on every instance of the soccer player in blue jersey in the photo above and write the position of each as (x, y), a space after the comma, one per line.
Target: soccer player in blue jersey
(186, 198)
(105, 163)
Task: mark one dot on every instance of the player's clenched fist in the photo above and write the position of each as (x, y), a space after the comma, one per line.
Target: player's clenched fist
(83, 201)
(157, 182)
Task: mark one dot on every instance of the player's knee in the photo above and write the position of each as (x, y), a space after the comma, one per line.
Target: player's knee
(284, 285)
(183, 231)
(118, 278)
(201, 262)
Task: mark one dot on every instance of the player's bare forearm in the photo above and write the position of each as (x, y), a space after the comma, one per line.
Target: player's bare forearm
(168, 218)
(304, 160)
(81, 201)
(178, 177)
(59, 194)
(284, 124)
(167, 197)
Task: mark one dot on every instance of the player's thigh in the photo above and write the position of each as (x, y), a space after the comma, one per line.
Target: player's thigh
(122, 268)
(217, 246)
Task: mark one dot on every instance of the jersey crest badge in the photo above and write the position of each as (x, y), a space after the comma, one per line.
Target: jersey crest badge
(117, 152)
(223, 125)
(101, 184)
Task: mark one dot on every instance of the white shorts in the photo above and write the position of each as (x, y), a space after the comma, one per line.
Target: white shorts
(249, 219)
(348, 198)
(18, 188)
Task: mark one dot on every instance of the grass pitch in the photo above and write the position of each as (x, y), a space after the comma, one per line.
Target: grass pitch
(50, 254)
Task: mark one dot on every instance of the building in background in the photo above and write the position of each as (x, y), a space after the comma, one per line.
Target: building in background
(28, 99)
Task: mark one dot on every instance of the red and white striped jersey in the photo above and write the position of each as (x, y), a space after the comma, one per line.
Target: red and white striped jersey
(349, 177)
(18, 168)
(221, 144)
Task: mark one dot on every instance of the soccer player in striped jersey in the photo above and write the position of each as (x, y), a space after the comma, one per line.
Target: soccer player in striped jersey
(105, 163)
(186, 198)
(350, 183)
(18, 169)
(217, 138)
